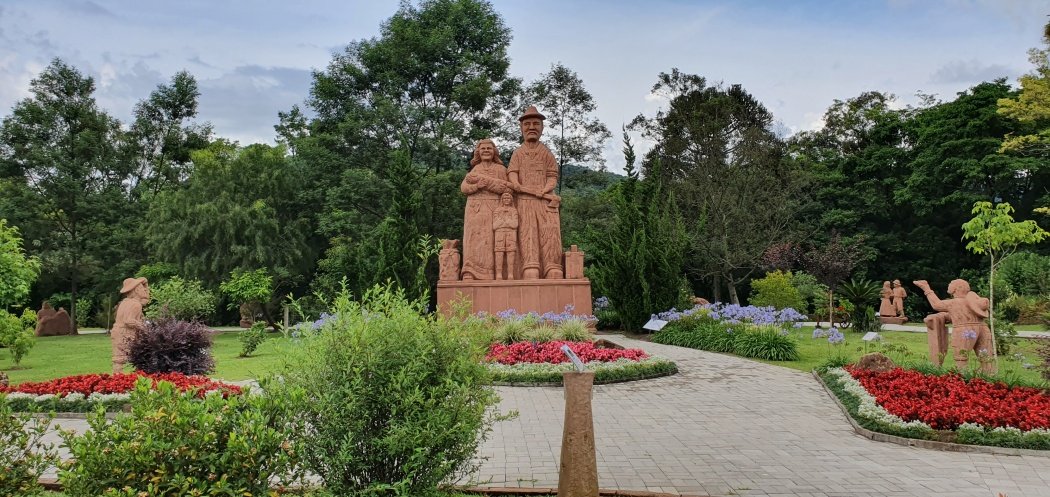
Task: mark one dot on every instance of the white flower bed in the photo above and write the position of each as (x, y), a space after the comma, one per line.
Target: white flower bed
(868, 408)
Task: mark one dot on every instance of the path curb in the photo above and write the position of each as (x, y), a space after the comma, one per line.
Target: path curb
(926, 444)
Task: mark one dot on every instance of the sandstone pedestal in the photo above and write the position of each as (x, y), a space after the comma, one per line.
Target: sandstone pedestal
(539, 296)
(892, 320)
(578, 472)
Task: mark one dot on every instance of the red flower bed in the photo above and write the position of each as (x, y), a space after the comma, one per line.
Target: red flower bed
(550, 352)
(88, 384)
(945, 402)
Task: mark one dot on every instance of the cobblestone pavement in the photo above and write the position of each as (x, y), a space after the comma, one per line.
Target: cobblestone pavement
(729, 426)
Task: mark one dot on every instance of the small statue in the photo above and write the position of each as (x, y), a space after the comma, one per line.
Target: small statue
(898, 300)
(129, 319)
(574, 263)
(967, 311)
(505, 227)
(886, 304)
(448, 260)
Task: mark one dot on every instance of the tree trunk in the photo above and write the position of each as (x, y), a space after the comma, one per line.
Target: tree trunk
(991, 312)
(733, 297)
(716, 289)
(831, 308)
(73, 277)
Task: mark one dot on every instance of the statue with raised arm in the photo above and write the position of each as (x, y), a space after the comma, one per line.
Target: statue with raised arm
(967, 312)
(129, 319)
(533, 173)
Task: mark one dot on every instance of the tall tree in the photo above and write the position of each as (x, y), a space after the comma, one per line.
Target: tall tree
(1032, 106)
(578, 136)
(639, 259)
(233, 213)
(60, 150)
(727, 169)
(161, 137)
(420, 94)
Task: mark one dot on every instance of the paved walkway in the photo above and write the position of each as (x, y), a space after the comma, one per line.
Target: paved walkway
(729, 426)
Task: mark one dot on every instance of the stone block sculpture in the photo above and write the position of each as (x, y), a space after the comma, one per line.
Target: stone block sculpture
(891, 307)
(51, 323)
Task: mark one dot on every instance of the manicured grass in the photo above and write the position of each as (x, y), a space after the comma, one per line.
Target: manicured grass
(55, 357)
(900, 346)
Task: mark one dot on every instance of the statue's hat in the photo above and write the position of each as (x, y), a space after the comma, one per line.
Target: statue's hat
(131, 283)
(531, 112)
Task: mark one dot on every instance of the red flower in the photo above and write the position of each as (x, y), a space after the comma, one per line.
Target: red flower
(945, 402)
(88, 384)
(550, 352)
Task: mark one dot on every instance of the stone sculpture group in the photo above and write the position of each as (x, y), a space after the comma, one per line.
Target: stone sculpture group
(891, 310)
(512, 233)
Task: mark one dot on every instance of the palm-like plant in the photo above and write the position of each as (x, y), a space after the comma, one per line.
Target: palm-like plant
(862, 294)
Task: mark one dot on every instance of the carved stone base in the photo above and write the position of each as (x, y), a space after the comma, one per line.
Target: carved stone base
(892, 320)
(523, 296)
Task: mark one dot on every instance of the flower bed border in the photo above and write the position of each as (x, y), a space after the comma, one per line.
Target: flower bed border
(922, 443)
(649, 368)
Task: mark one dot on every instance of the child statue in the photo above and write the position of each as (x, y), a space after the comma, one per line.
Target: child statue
(505, 226)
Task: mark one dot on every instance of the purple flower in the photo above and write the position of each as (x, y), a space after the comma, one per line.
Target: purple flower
(835, 336)
(969, 335)
(819, 333)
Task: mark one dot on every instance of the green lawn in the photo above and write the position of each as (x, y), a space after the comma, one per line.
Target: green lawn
(55, 357)
(814, 351)
(1019, 327)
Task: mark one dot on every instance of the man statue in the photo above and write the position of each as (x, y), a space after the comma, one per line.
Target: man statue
(129, 319)
(967, 311)
(898, 299)
(533, 173)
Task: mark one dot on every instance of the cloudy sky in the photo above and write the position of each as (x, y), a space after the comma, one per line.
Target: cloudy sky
(253, 58)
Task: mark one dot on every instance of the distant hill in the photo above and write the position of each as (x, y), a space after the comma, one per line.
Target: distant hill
(581, 179)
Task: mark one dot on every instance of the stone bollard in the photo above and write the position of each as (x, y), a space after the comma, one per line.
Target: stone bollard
(578, 474)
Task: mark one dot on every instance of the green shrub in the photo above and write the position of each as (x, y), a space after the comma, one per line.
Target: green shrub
(84, 308)
(186, 300)
(174, 443)
(16, 334)
(700, 332)
(814, 294)
(574, 330)
(252, 338)
(1023, 309)
(776, 290)
(1025, 273)
(766, 342)
(23, 455)
(1005, 335)
(393, 401)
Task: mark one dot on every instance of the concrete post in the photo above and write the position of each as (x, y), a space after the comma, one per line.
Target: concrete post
(578, 474)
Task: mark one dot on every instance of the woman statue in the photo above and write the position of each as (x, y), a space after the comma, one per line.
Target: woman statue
(484, 184)
(886, 308)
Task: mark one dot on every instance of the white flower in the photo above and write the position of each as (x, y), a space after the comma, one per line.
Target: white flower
(867, 407)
